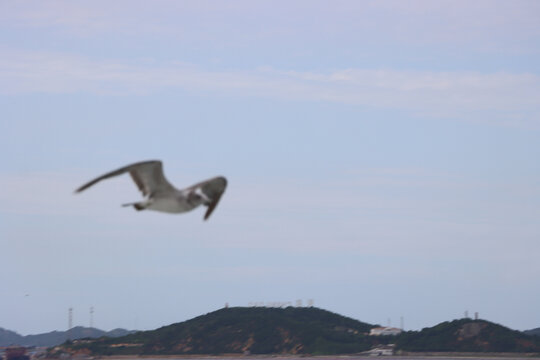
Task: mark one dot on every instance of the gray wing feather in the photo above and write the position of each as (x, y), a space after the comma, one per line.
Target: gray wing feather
(147, 175)
(213, 189)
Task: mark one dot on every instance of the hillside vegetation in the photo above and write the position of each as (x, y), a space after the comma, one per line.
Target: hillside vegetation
(468, 335)
(533, 332)
(53, 338)
(259, 330)
(240, 330)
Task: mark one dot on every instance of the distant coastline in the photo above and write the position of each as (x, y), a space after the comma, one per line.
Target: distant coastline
(408, 356)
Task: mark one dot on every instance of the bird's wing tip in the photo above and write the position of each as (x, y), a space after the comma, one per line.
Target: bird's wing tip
(80, 189)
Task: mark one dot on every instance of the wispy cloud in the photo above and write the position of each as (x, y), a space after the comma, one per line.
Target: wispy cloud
(500, 97)
(491, 24)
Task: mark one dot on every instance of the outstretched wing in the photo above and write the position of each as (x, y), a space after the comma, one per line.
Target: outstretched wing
(147, 175)
(212, 190)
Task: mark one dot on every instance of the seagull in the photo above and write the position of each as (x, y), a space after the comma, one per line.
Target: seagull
(160, 195)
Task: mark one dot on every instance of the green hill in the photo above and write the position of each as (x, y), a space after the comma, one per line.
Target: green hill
(241, 330)
(53, 338)
(468, 335)
(260, 330)
(535, 332)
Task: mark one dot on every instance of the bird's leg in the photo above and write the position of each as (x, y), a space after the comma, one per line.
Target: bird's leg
(138, 205)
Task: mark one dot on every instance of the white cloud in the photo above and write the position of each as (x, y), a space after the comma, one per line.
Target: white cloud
(485, 24)
(498, 97)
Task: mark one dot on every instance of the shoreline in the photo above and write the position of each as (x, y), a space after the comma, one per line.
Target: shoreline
(408, 355)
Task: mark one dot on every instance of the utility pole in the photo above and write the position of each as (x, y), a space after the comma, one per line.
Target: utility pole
(70, 318)
(70, 323)
(91, 316)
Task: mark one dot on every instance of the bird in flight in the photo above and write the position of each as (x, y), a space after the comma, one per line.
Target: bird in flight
(160, 195)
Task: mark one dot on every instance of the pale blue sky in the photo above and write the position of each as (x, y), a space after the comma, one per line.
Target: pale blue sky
(382, 159)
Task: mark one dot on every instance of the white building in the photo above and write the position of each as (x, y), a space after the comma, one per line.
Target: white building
(384, 331)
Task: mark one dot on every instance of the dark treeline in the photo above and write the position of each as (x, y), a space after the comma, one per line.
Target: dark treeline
(259, 330)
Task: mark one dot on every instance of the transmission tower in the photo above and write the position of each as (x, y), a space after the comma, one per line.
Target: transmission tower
(91, 316)
(70, 318)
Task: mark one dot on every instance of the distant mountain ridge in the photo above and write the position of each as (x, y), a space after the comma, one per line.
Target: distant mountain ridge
(466, 335)
(297, 331)
(8, 337)
(258, 330)
(535, 332)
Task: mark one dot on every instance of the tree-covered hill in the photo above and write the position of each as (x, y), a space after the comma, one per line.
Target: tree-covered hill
(468, 335)
(256, 330)
(53, 338)
(260, 330)
(535, 332)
